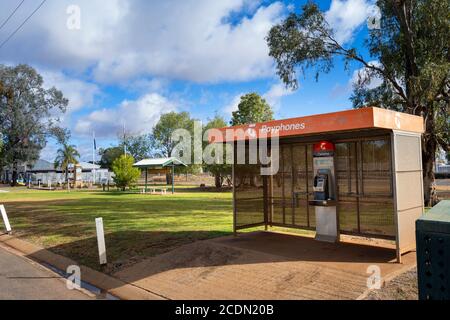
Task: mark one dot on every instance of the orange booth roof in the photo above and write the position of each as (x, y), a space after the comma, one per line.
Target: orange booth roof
(356, 119)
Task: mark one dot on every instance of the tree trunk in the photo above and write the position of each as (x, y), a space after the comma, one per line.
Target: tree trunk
(168, 178)
(429, 162)
(14, 177)
(218, 180)
(67, 180)
(429, 150)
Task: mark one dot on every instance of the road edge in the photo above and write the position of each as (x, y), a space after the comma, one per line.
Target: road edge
(111, 285)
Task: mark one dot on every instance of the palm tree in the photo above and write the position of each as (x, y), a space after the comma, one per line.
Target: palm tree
(66, 156)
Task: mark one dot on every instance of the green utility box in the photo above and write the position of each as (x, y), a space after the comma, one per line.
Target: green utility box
(433, 253)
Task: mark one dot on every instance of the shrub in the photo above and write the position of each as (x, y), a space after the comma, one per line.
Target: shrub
(125, 174)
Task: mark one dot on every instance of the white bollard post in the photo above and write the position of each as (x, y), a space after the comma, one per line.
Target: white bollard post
(101, 241)
(50, 185)
(5, 219)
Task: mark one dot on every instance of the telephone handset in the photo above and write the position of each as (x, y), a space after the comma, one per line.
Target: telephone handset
(321, 185)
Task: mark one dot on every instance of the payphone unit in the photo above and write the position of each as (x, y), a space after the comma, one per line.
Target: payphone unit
(325, 192)
(322, 185)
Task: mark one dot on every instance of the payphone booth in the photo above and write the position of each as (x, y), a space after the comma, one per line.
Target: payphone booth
(324, 188)
(355, 172)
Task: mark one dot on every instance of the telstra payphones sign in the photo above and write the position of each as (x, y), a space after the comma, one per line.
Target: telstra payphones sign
(266, 129)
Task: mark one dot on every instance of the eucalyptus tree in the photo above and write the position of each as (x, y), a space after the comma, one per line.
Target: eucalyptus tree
(407, 53)
(29, 114)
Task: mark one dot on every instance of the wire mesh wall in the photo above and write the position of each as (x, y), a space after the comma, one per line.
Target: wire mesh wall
(364, 182)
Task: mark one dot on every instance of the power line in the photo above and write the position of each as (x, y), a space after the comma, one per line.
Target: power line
(12, 13)
(22, 24)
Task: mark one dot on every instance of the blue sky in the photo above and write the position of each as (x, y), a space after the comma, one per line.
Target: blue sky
(126, 62)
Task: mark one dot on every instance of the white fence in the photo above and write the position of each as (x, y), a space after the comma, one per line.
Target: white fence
(101, 176)
(443, 168)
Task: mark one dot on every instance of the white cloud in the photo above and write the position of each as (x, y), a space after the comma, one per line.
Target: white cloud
(233, 105)
(196, 40)
(366, 77)
(273, 97)
(345, 16)
(275, 94)
(139, 116)
(80, 94)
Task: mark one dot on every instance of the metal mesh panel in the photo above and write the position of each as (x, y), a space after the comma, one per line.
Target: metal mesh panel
(347, 183)
(376, 167)
(364, 180)
(377, 216)
(277, 198)
(376, 206)
(287, 181)
(249, 195)
(249, 212)
(300, 185)
(312, 209)
(291, 187)
(348, 215)
(346, 169)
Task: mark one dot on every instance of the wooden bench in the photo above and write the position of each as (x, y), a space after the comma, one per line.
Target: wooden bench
(153, 190)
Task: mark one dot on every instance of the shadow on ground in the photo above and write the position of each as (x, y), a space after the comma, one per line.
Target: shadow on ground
(130, 247)
(257, 265)
(127, 248)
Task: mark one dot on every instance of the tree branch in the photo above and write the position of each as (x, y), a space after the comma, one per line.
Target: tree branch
(347, 53)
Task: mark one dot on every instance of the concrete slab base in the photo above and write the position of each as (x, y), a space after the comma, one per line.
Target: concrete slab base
(263, 265)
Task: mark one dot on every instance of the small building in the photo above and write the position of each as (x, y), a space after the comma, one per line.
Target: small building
(93, 173)
(45, 172)
(160, 166)
(356, 172)
(6, 174)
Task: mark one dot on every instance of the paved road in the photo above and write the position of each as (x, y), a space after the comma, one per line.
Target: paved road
(22, 279)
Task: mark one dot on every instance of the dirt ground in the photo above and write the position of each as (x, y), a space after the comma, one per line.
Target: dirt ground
(403, 287)
(262, 266)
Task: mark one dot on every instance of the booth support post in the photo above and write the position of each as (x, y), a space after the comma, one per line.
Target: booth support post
(173, 179)
(233, 178)
(394, 187)
(265, 203)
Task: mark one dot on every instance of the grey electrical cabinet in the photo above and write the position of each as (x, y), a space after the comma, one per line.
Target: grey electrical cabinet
(433, 253)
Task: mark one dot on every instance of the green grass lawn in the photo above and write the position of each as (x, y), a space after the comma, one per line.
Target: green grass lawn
(136, 226)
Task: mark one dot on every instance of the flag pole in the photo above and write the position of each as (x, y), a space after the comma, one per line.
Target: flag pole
(94, 147)
(124, 140)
